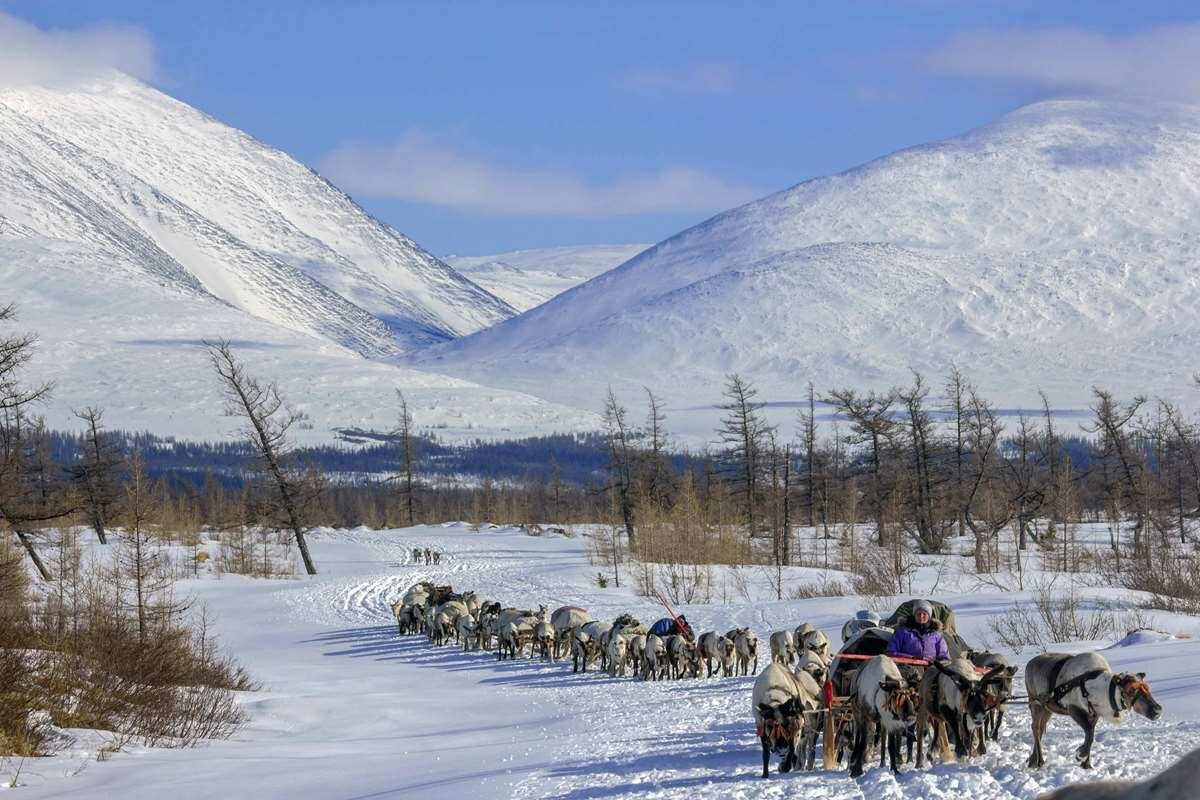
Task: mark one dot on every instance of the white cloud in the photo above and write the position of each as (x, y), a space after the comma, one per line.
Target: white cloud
(1157, 62)
(700, 77)
(419, 170)
(31, 56)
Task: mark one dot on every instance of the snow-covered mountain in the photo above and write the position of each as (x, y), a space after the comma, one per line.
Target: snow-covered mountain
(159, 189)
(110, 338)
(133, 228)
(1054, 248)
(528, 278)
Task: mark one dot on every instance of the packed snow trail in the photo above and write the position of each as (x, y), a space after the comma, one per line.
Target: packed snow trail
(650, 740)
(350, 709)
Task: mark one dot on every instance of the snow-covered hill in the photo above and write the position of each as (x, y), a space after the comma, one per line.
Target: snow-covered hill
(528, 278)
(159, 189)
(136, 348)
(1055, 247)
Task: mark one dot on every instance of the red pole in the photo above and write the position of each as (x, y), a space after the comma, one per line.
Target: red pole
(687, 632)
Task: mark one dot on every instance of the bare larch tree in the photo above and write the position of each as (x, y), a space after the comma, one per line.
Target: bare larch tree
(95, 472)
(745, 433)
(620, 440)
(407, 479)
(267, 422)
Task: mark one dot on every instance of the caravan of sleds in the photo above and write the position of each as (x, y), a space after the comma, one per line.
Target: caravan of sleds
(854, 701)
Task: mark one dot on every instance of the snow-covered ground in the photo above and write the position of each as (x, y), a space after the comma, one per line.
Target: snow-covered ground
(351, 710)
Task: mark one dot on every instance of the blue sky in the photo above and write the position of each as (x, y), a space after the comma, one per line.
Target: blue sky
(483, 127)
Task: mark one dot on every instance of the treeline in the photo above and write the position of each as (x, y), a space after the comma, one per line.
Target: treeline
(919, 467)
(577, 458)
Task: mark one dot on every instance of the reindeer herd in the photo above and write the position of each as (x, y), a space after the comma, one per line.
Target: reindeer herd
(805, 693)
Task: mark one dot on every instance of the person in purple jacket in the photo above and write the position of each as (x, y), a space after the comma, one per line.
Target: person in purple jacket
(920, 636)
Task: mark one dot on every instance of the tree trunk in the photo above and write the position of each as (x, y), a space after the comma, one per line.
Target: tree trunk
(27, 541)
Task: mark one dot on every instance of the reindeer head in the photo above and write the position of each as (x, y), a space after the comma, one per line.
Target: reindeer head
(996, 686)
(899, 701)
(1135, 694)
(781, 723)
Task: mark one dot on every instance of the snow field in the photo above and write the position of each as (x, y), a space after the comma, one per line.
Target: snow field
(696, 737)
(349, 709)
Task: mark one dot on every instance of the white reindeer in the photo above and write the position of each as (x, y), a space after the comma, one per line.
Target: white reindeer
(715, 647)
(880, 697)
(783, 648)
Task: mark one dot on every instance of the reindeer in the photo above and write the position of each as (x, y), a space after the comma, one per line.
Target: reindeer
(617, 650)
(1179, 782)
(543, 640)
(585, 646)
(955, 697)
(715, 647)
(635, 648)
(745, 644)
(509, 641)
(683, 656)
(655, 665)
(468, 632)
(441, 628)
(801, 629)
(998, 692)
(565, 620)
(880, 696)
(783, 648)
(1086, 689)
(782, 706)
(815, 642)
(812, 664)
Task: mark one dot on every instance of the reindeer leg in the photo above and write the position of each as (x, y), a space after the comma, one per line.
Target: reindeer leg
(858, 754)
(955, 723)
(1088, 723)
(1040, 720)
(766, 748)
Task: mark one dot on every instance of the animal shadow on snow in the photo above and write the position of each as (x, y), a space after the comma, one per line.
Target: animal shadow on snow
(382, 643)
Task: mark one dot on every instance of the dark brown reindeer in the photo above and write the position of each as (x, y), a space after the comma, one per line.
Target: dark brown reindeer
(1086, 689)
(957, 700)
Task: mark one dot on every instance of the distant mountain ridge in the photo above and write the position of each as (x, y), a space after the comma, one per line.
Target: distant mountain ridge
(165, 191)
(1054, 248)
(528, 278)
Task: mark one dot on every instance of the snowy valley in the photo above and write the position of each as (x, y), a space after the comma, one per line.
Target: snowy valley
(965, 372)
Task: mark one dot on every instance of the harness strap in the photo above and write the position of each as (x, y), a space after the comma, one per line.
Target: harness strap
(1112, 697)
(1078, 682)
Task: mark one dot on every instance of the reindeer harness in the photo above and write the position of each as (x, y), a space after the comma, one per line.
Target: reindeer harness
(1116, 693)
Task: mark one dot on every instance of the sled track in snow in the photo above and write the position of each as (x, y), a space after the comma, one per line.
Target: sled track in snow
(694, 737)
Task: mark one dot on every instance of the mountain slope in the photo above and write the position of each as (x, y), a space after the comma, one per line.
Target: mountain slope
(136, 348)
(528, 278)
(172, 193)
(1053, 248)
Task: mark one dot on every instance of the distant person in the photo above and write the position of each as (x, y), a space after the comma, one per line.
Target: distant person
(428, 556)
(667, 627)
(920, 636)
